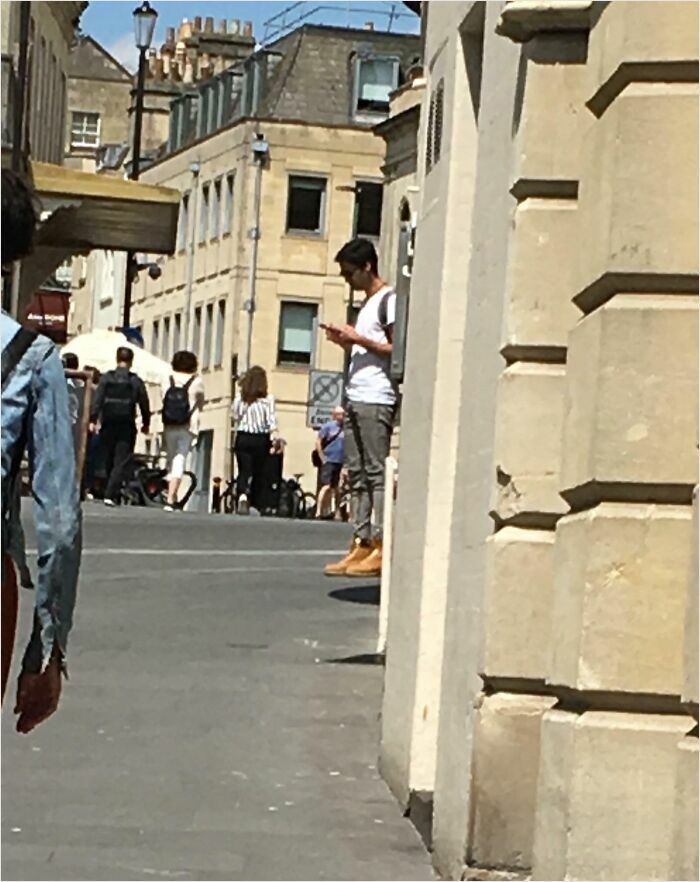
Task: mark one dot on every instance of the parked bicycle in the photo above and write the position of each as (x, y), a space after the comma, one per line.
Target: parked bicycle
(145, 483)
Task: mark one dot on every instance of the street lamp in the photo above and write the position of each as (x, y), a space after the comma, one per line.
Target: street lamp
(144, 25)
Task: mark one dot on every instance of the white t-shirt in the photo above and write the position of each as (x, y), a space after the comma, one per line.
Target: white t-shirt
(368, 377)
(196, 388)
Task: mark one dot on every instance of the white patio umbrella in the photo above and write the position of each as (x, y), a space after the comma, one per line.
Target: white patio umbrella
(99, 349)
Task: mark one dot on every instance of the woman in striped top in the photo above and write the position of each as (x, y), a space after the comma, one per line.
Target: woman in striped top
(255, 418)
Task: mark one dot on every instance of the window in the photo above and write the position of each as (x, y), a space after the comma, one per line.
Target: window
(85, 130)
(228, 205)
(204, 214)
(208, 333)
(177, 332)
(215, 210)
(165, 344)
(183, 222)
(197, 330)
(368, 209)
(306, 204)
(220, 330)
(155, 336)
(296, 337)
(375, 80)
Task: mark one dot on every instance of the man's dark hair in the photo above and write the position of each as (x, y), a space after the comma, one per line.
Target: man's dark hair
(70, 361)
(19, 217)
(125, 355)
(359, 253)
(184, 362)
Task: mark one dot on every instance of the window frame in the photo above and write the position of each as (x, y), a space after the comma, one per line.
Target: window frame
(183, 223)
(197, 330)
(81, 144)
(281, 362)
(369, 113)
(356, 209)
(204, 209)
(229, 196)
(319, 233)
(215, 210)
(165, 342)
(220, 332)
(208, 335)
(155, 337)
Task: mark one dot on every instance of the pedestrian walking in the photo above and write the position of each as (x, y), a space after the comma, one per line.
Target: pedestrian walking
(71, 363)
(371, 403)
(255, 419)
(114, 408)
(329, 454)
(183, 400)
(35, 419)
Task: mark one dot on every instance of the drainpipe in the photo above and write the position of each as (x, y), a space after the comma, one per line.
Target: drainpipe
(194, 168)
(261, 151)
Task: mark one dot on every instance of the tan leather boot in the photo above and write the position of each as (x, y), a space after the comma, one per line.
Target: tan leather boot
(357, 553)
(370, 565)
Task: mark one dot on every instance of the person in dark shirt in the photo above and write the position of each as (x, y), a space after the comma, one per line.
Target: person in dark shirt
(114, 407)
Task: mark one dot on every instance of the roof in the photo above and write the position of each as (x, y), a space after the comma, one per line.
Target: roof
(313, 81)
(91, 61)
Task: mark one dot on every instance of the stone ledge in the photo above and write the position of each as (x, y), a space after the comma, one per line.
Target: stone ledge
(521, 20)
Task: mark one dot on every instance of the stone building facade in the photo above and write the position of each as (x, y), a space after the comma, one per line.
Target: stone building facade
(315, 102)
(540, 707)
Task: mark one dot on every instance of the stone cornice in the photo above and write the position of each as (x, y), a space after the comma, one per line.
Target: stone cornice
(521, 20)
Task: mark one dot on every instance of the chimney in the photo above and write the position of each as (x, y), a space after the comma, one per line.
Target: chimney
(170, 36)
(248, 29)
(185, 30)
(197, 24)
(151, 62)
(208, 25)
(235, 27)
(369, 26)
(158, 70)
(222, 26)
(166, 58)
(188, 75)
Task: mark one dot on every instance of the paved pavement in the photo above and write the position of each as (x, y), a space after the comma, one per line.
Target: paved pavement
(221, 721)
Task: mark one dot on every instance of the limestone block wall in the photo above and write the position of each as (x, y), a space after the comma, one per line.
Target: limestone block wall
(426, 488)
(628, 463)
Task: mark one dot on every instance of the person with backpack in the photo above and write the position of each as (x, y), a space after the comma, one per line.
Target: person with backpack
(114, 407)
(328, 457)
(371, 404)
(35, 421)
(183, 400)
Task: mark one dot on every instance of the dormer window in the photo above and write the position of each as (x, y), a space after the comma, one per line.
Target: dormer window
(376, 77)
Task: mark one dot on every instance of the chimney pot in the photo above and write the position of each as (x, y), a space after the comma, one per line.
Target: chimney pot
(235, 27)
(369, 26)
(169, 36)
(248, 29)
(197, 24)
(209, 25)
(185, 30)
(223, 26)
(158, 70)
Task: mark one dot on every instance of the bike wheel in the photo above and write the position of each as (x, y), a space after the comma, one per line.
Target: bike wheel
(309, 505)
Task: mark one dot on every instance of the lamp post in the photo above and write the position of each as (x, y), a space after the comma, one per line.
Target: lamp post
(144, 25)
(261, 150)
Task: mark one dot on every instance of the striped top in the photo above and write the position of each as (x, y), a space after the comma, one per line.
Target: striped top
(259, 417)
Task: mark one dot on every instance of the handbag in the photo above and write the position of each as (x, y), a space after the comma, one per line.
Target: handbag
(316, 460)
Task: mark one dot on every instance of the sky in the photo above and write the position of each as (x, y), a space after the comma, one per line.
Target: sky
(111, 23)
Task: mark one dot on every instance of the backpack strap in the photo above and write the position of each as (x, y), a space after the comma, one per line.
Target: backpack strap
(187, 385)
(172, 381)
(14, 351)
(383, 313)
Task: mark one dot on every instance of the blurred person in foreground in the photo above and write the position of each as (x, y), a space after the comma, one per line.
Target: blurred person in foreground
(36, 420)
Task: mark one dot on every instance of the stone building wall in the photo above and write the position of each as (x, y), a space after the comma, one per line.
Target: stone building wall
(542, 618)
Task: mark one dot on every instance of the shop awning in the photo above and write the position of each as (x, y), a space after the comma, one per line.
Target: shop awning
(82, 212)
(99, 211)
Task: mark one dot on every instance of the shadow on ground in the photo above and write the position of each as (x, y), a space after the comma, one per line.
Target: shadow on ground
(357, 594)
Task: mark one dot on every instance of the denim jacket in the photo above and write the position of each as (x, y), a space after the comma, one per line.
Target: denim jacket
(35, 412)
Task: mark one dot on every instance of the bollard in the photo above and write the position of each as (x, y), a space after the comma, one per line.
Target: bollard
(216, 496)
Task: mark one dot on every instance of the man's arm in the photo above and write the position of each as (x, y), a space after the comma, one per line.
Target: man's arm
(98, 400)
(144, 406)
(58, 528)
(347, 337)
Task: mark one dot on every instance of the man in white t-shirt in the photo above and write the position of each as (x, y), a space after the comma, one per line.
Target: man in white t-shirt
(371, 402)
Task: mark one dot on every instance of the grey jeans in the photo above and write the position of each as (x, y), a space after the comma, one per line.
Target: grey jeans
(367, 440)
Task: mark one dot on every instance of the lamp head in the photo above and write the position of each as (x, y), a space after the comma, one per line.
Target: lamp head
(144, 24)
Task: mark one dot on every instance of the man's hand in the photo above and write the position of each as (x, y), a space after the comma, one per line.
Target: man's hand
(344, 335)
(37, 696)
(92, 428)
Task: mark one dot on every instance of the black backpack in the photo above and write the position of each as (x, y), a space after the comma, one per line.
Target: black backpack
(176, 404)
(119, 399)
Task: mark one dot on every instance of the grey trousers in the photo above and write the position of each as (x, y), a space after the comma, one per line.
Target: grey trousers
(367, 440)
